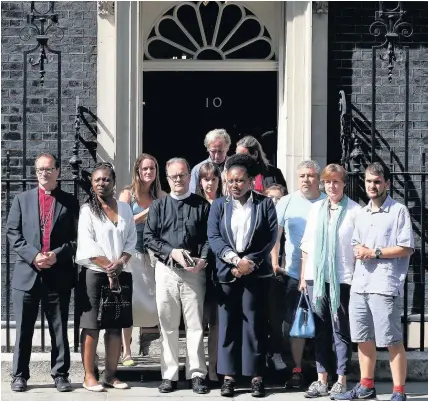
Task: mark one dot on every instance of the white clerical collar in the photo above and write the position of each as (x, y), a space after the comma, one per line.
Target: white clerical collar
(181, 197)
(46, 191)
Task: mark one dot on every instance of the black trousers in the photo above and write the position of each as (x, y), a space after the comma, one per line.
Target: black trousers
(26, 308)
(284, 296)
(211, 319)
(242, 331)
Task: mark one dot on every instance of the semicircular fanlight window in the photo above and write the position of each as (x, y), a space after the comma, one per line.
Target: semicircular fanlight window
(210, 30)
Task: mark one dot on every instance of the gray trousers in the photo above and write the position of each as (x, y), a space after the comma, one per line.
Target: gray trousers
(329, 332)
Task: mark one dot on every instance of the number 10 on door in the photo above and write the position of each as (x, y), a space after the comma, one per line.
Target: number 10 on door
(216, 102)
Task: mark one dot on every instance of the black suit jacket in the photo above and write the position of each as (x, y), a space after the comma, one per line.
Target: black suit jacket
(273, 176)
(24, 234)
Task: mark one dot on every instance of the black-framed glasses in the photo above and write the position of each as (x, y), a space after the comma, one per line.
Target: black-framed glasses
(48, 171)
(177, 177)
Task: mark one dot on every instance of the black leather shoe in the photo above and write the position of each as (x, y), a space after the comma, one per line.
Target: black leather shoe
(228, 388)
(296, 381)
(62, 384)
(199, 385)
(167, 386)
(258, 389)
(18, 384)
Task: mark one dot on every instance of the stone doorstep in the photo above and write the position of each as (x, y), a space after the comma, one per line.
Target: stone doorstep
(149, 333)
(40, 366)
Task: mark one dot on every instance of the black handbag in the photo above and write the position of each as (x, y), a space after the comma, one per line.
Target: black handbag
(115, 311)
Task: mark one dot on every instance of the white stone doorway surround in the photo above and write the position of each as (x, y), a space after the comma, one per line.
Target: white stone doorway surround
(299, 34)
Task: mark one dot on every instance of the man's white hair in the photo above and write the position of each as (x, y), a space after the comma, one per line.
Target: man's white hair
(310, 164)
(215, 134)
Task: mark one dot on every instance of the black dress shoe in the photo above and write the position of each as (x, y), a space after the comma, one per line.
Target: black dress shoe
(167, 386)
(62, 384)
(258, 389)
(199, 385)
(18, 384)
(228, 388)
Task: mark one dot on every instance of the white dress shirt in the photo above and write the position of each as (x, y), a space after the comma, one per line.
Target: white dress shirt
(102, 238)
(344, 253)
(240, 224)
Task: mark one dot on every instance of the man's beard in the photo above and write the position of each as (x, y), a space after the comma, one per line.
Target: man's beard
(379, 194)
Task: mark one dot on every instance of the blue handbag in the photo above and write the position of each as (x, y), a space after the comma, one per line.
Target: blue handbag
(304, 323)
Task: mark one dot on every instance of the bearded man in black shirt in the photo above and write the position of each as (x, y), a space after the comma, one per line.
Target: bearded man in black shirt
(176, 231)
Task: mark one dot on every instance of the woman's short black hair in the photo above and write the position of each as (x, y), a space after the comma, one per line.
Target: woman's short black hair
(243, 161)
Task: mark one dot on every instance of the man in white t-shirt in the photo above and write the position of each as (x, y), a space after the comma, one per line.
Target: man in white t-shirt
(292, 212)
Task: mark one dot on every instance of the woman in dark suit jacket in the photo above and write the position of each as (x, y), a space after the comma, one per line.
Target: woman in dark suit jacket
(242, 230)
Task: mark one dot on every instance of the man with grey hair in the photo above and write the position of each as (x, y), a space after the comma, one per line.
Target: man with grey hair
(176, 231)
(292, 212)
(217, 143)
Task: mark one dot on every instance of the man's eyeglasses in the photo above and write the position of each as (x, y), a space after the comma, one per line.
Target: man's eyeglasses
(177, 177)
(48, 171)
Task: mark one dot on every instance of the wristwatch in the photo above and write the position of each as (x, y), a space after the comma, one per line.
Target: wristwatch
(378, 253)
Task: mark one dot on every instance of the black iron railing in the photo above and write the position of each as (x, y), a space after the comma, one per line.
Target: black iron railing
(12, 186)
(408, 187)
(361, 146)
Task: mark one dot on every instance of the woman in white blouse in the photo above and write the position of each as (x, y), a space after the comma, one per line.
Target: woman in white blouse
(106, 239)
(327, 268)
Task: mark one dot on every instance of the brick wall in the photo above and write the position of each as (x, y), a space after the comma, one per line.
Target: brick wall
(350, 69)
(79, 57)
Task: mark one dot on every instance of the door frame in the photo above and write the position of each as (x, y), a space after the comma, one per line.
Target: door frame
(214, 65)
(277, 65)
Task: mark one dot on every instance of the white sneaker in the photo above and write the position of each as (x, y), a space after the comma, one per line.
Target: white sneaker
(278, 362)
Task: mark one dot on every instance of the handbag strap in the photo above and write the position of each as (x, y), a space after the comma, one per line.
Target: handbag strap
(304, 296)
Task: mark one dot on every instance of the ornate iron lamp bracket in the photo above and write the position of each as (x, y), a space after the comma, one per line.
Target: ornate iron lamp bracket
(346, 136)
(75, 161)
(389, 22)
(42, 25)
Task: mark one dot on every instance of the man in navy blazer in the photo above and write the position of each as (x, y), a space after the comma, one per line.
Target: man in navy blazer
(42, 230)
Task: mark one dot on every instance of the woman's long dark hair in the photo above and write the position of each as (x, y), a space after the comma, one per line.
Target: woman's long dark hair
(253, 145)
(93, 201)
(205, 170)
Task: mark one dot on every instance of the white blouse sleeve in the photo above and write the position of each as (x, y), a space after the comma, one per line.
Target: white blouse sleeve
(131, 233)
(87, 246)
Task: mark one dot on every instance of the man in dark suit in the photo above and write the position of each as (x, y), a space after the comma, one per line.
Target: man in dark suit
(42, 230)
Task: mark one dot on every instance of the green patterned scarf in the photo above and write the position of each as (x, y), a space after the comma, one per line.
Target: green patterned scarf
(325, 252)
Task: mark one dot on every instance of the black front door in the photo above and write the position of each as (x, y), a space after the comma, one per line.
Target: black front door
(181, 107)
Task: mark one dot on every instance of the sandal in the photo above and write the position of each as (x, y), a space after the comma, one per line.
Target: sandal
(97, 388)
(128, 361)
(117, 385)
